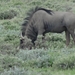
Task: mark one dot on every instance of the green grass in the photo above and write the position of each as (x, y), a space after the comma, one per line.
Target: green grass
(55, 59)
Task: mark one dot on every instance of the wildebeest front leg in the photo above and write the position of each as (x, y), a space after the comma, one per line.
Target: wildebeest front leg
(67, 37)
(38, 42)
(40, 36)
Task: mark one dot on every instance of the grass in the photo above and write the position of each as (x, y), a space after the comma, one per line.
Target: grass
(54, 59)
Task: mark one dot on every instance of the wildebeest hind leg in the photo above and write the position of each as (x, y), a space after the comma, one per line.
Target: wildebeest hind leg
(71, 30)
(67, 37)
(73, 35)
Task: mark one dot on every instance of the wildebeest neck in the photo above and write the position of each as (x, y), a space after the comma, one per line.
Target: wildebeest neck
(30, 32)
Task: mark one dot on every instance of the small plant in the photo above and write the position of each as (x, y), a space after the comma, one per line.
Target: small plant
(65, 62)
(10, 37)
(44, 61)
(8, 14)
(15, 71)
(7, 62)
(36, 58)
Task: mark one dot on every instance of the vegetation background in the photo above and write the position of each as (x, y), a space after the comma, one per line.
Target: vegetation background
(55, 59)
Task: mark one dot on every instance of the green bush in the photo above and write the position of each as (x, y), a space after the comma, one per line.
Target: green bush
(10, 37)
(6, 46)
(22, 71)
(7, 62)
(31, 54)
(44, 61)
(4, 0)
(65, 62)
(36, 58)
(8, 14)
(15, 71)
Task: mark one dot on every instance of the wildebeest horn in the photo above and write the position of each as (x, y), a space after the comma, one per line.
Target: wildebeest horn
(21, 37)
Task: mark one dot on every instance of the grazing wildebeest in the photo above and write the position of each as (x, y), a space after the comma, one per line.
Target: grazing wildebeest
(41, 21)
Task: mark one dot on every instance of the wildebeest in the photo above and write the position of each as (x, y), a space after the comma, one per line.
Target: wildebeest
(41, 21)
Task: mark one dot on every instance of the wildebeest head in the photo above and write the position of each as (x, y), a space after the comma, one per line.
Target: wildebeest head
(25, 43)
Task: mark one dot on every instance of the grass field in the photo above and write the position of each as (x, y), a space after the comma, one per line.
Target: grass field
(55, 59)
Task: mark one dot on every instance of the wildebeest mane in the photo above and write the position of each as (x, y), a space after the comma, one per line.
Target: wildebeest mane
(29, 16)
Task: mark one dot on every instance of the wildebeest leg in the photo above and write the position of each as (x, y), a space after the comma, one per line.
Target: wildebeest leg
(71, 30)
(67, 37)
(39, 41)
(73, 35)
(41, 30)
(40, 35)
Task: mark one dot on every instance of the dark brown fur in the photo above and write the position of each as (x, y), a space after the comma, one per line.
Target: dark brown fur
(42, 21)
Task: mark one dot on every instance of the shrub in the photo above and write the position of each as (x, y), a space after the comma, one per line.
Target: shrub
(65, 62)
(4, 0)
(38, 58)
(31, 54)
(22, 71)
(7, 62)
(8, 14)
(15, 71)
(6, 46)
(44, 61)
(10, 37)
